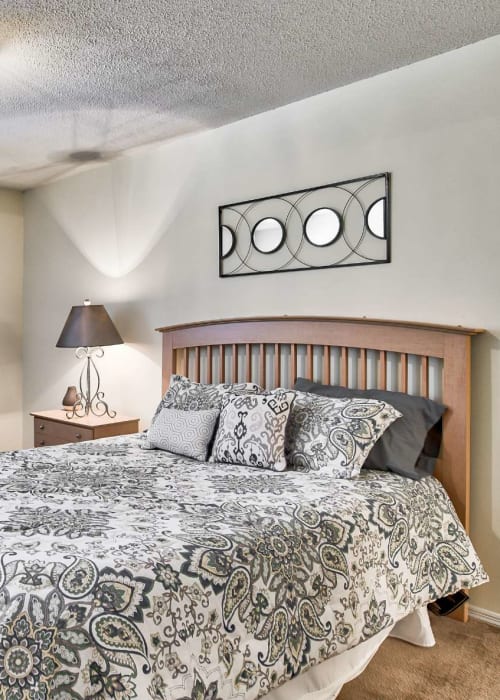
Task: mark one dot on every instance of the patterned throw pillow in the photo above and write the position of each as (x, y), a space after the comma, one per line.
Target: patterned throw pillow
(185, 433)
(411, 446)
(252, 429)
(193, 396)
(335, 435)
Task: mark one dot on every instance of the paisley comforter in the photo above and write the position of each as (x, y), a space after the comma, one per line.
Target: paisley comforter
(130, 574)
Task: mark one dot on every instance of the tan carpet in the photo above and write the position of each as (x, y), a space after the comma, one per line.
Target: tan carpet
(464, 665)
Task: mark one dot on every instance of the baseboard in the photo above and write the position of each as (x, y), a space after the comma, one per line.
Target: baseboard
(492, 618)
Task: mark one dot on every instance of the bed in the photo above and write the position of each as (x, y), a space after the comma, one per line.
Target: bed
(127, 573)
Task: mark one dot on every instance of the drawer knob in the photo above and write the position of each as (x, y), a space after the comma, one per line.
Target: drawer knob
(41, 426)
(78, 436)
(42, 443)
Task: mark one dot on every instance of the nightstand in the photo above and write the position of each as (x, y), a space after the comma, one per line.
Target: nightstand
(53, 428)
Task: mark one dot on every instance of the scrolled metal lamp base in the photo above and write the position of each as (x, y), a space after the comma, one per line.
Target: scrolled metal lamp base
(87, 399)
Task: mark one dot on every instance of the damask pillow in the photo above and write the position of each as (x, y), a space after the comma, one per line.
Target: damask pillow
(252, 429)
(187, 395)
(335, 435)
(412, 445)
(193, 396)
(185, 433)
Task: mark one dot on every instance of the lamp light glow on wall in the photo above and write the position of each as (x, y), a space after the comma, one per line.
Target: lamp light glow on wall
(87, 329)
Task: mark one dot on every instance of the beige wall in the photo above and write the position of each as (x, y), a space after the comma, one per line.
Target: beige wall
(140, 235)
(11, 287)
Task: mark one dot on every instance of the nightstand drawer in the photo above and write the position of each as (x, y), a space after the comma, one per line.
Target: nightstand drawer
(53, 428)
(49, 432)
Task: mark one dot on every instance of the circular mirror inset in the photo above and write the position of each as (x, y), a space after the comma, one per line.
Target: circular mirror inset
(375, 218)
(228, 241)
(268, 235)
(322, 227)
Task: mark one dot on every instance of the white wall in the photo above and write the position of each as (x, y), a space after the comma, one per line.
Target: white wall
(11, 324)
(140, 235)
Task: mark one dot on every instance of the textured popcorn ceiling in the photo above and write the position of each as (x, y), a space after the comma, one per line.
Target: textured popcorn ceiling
(114, 74)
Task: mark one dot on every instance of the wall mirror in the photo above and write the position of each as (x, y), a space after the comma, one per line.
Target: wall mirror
(322, 227)
(228, 241)
(336, 225)
(375, 218)
(268, 235)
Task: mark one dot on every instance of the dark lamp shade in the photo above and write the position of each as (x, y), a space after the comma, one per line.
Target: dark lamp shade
(88, 327)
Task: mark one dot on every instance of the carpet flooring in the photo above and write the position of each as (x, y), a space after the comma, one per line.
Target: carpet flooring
(464, 665)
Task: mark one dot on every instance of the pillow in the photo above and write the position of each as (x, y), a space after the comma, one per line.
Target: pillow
(252, 429)
(193, 396)
(412, 444)
(335, 435)
(186, 433)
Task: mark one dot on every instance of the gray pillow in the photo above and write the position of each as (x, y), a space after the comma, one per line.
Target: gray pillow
(185, 433)
(411, 445)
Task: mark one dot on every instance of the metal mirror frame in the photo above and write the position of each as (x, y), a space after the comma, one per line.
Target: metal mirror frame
(244, 228)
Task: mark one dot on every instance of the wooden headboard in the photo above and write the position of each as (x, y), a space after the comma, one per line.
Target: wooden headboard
(422, 359)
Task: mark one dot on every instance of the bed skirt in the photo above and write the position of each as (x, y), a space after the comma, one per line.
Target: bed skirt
(325, 681)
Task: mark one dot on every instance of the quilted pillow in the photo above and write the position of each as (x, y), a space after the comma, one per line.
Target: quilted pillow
(185, 433)
(252, 429)
(335, 435)
(187, 395)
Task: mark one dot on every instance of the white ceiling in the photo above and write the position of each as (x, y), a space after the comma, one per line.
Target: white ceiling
(110, 75)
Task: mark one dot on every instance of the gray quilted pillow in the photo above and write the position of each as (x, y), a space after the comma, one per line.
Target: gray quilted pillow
(185, 433)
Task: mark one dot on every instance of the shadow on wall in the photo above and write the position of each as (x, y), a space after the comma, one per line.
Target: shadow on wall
(135, 326)
(120, 210)
(10, 342)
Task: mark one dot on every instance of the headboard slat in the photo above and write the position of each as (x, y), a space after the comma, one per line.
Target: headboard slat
(327, 364)
(404, 372)
(424, 370)
(362, 369)
(234, 363)
(262, 364)
(382, 370)
(209, 364)
(344, 366)
(277, 364)
(197, 364)
(248, 362)
(222, 364)
(309, 361)
(184, 364)
(293, 364)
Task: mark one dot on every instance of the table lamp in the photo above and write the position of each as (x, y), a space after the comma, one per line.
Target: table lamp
(87, 329)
